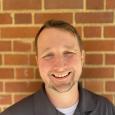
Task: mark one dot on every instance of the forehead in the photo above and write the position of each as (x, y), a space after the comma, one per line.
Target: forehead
(56, 36)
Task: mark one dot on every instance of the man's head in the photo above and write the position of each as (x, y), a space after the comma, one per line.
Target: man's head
(62, 25)
(59, 55)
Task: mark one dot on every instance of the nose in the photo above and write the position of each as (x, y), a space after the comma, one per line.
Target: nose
(59, 63)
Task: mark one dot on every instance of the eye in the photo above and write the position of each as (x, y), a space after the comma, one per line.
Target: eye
(68, 53)
(48, 56)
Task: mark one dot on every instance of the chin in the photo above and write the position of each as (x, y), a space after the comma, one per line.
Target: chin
(63, 87)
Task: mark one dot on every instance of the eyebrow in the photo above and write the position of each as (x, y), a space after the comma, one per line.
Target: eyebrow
(45, 50)
(72, 48)
(68, 47)
(65, 46)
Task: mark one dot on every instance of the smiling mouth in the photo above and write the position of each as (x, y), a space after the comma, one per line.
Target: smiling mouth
(60, 76)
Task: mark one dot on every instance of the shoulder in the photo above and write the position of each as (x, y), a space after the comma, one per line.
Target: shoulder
(102, 104)
(23, 107)
(31, 105)
(98, 98)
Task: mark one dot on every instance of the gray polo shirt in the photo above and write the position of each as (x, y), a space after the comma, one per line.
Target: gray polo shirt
(39, 104)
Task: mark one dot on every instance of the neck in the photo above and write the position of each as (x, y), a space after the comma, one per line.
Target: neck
(64, 100)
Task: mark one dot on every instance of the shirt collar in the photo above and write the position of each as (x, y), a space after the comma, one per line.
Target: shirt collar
(42, 104)
(87, 102)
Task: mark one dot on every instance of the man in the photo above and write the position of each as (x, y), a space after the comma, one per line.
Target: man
(60, 59)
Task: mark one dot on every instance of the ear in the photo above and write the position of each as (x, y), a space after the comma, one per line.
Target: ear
(36, 57)
(83, 57)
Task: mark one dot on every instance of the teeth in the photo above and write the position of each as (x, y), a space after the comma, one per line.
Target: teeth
(61, 74)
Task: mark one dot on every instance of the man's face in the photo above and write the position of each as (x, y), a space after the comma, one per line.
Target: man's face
(59, 59)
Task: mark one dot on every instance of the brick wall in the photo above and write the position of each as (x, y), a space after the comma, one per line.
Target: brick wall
(20, 20)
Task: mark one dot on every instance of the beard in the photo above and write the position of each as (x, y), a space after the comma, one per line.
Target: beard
(62, 86)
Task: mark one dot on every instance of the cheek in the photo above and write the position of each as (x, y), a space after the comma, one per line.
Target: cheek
(74, 61)
(43, 70)
(44, 67)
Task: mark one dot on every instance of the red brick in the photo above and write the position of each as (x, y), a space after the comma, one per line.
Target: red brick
(5, 46)
(22, 86)
(24, 73)
(19, 97)
(5, 99)
(21, 4)
(109, 31)
(6, 73)
(98, 73)
(16, 32)
(5, 18)
(79, 30)
(21, 46)
(0, 4)
(37, 74)
(97, 4)
(23, 18)
(94, 17)
(33, 47)
(32, 60)
(109, 97)
(93, 59)
(99, 45)
(110, 86)
(110, 4)
(110, 59)
(92, 32)
(95, 86)
(40, 18)
(0, 60)
(1, 86)
(64, 4)
(16, 59)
